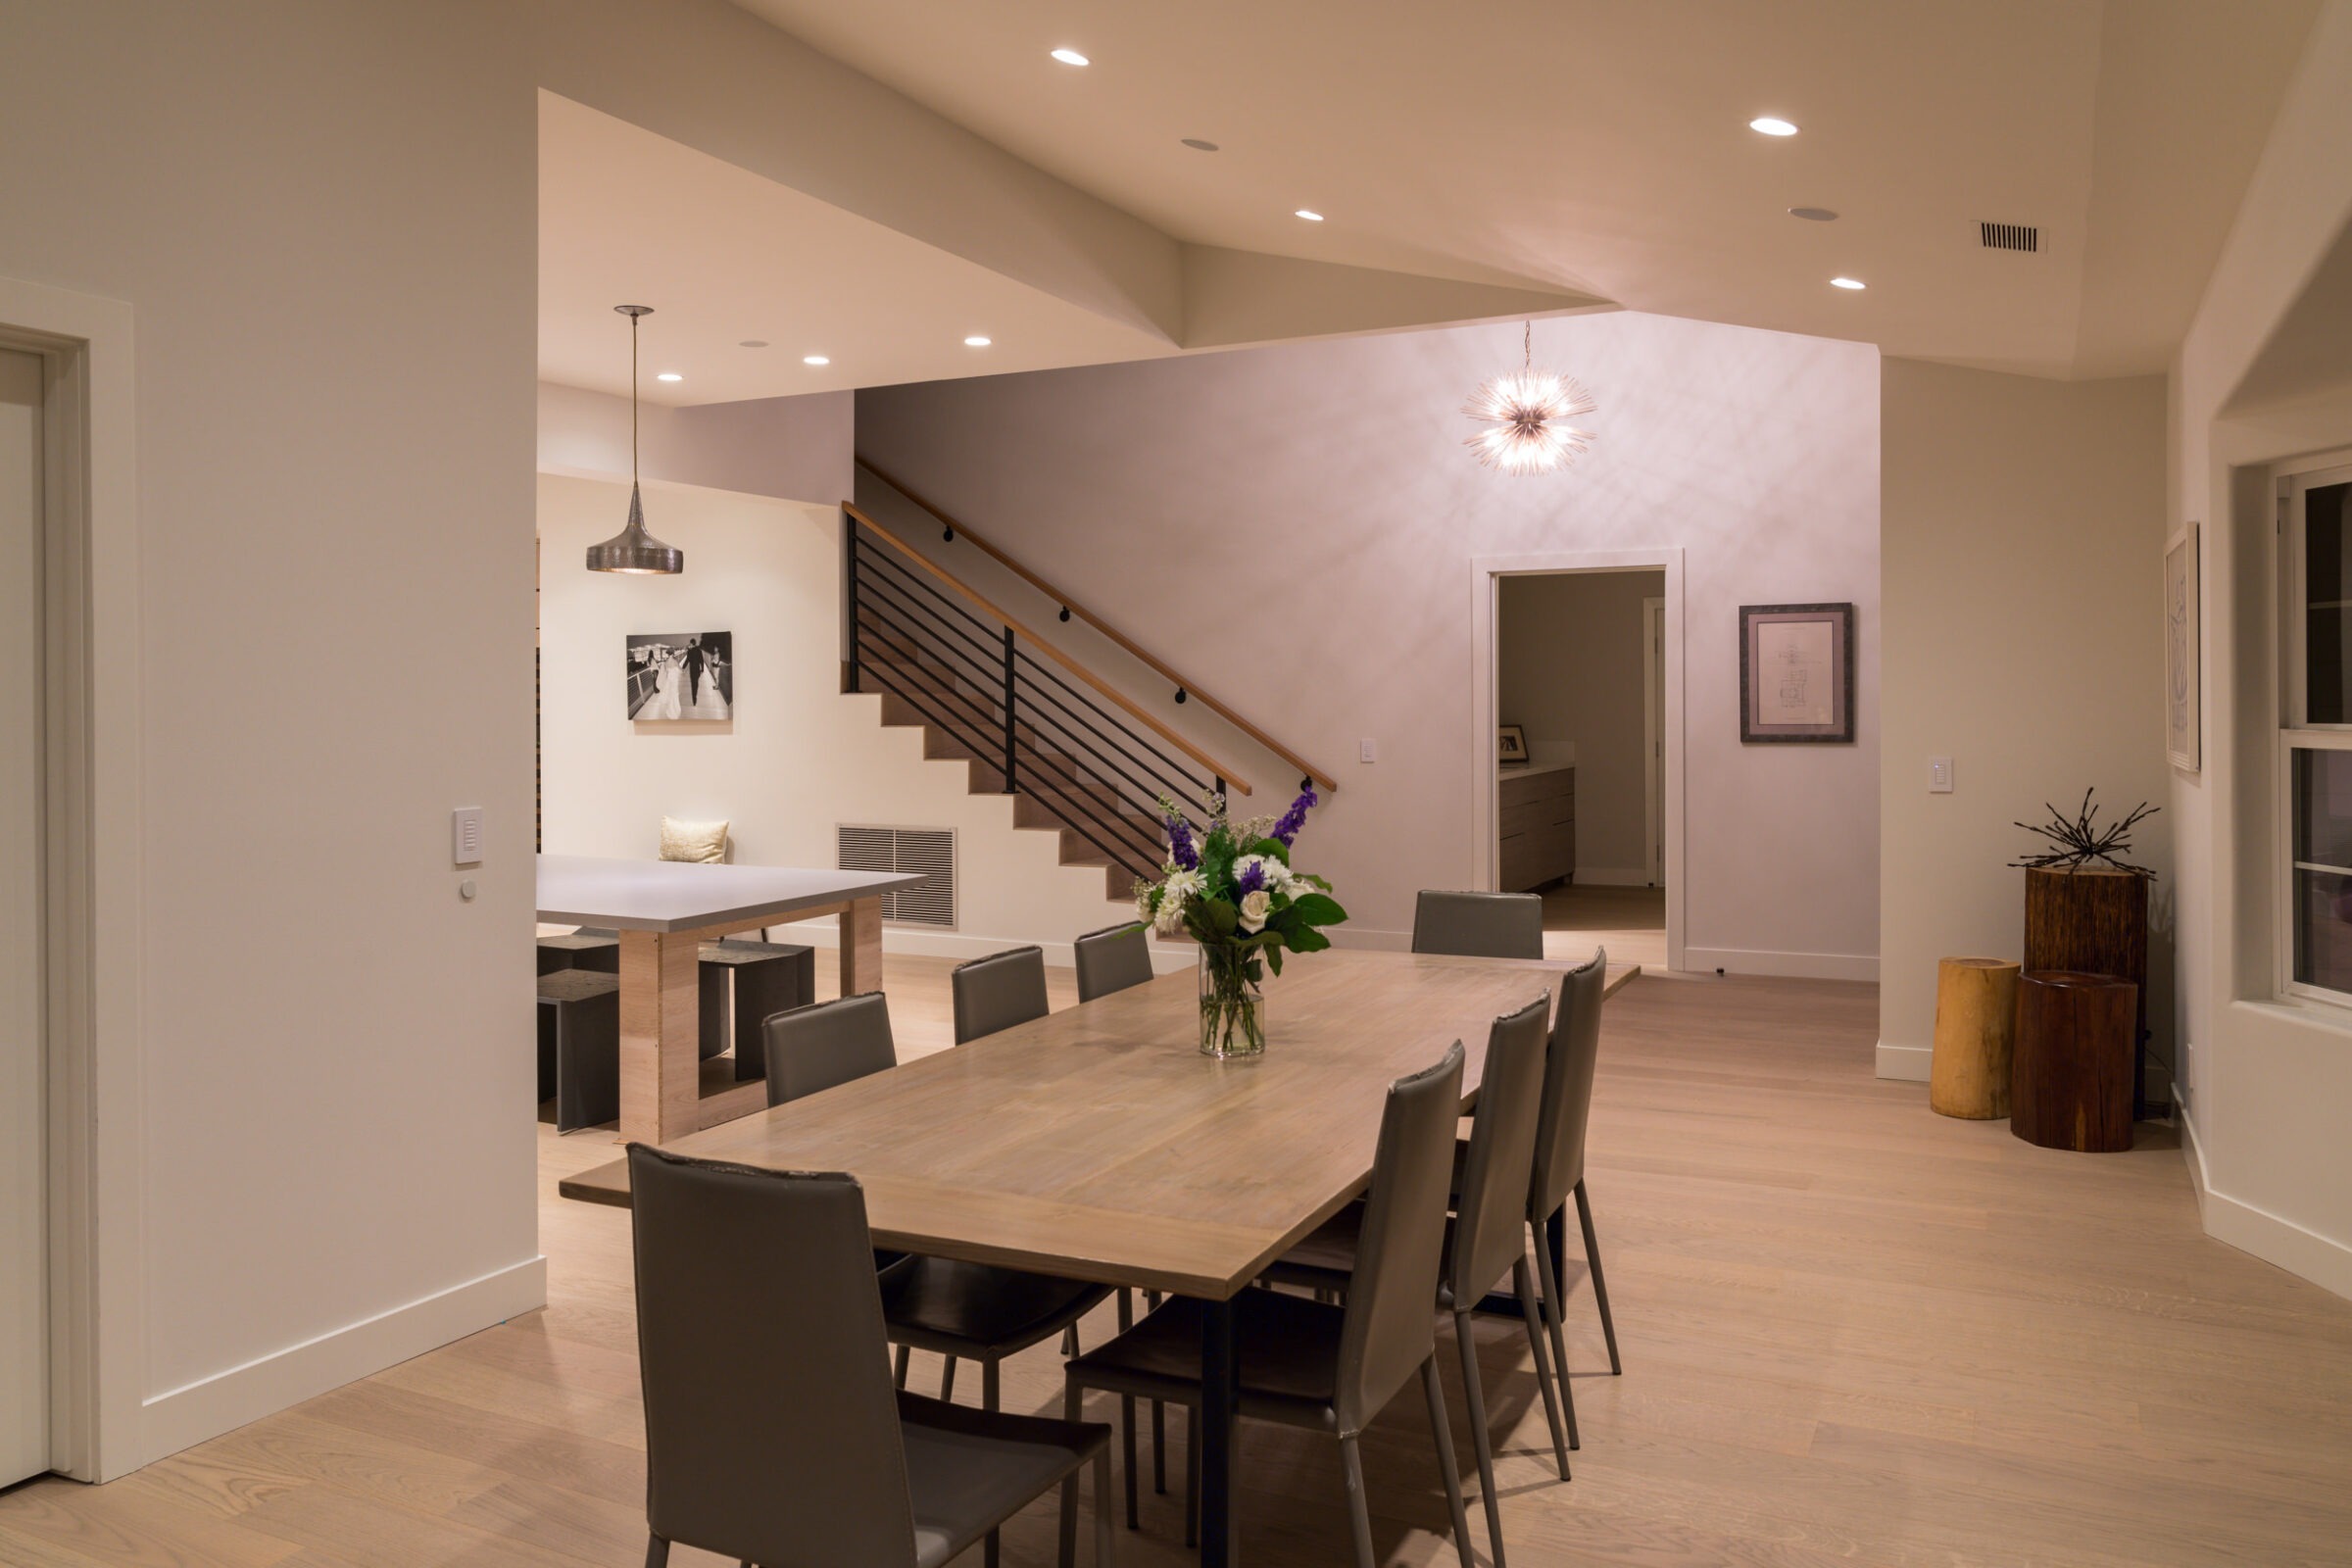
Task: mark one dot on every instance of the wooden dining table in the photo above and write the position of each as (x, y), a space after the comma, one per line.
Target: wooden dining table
(1098, 1144)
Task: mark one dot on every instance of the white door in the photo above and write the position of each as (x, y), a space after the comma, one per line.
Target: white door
(1653, 724)
(24, 1228)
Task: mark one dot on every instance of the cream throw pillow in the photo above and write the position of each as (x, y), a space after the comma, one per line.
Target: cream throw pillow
(705, 843)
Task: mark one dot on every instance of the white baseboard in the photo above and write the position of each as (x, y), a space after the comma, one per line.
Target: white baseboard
(1166, 956)
(2320, 1260)
(1788, 965)
(1908, 1063)
(1603, 876)
(226, 1401)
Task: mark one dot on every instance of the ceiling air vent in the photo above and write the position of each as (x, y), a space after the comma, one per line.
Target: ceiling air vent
(930, 851)
(2010, 238)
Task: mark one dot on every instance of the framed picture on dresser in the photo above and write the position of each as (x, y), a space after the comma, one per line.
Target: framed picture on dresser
(1796, 674)
(1510, 745)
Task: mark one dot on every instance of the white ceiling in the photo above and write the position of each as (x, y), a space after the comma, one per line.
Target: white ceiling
(1602, 147)
(626, 217)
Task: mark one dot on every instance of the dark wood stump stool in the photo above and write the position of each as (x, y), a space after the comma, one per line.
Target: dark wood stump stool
(579, 1047)
(581, 949)
(743, 984)
(2069, 1082)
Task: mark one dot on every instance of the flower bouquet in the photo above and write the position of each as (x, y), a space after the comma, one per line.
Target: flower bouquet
(1232, 887)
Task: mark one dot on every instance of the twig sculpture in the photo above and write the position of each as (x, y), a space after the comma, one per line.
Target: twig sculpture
(2079, 840)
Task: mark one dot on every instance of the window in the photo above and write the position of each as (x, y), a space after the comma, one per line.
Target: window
(2316, 734)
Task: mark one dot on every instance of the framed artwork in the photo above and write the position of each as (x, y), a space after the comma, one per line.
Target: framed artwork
(1796, 674)
(2183, 724)
(1510, 745)
(681, 675)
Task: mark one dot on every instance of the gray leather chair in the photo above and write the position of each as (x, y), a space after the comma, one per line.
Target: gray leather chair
(1305, 1364)
(1559, 1172)
(997, 992)
(953, 1308)
(1112, 959)
(1484, 1241)
(1479, 925)
(787, 1446)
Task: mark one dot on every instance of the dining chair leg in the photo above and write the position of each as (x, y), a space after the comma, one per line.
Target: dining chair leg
(1159, 1422)
(1073, 1408)
(1600, 1289)
(1531, 1313)
(947, 1382)
(1547, 1280)
(1442, 1433)
(1126, 1309)
(1359, 1513)
(656, 1551)
(899, 1373)
(1101, 1510)
(1482, 1442)
(1070, 1341)
(1192, 1477)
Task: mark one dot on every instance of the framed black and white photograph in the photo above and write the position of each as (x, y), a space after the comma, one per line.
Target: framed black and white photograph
(2183, 724)
(1510, 745)
(1796, 674)
(681, 675)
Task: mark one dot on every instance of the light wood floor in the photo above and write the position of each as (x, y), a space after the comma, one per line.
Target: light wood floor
(1631, 922)
(1854, 1331)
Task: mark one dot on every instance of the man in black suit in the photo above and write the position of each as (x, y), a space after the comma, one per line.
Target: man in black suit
(694, 672)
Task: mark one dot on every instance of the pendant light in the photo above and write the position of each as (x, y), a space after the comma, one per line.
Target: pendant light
(1526, 416)
(633, 550)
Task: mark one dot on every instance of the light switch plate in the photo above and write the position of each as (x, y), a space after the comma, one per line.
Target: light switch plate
(1367, 752)
(465, 836)
(1939, 775)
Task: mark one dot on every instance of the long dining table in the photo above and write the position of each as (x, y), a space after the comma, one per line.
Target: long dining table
(1098, 1144)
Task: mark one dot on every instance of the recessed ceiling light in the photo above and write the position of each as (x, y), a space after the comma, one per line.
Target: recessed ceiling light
(1310, 216)
(669, 375)
(1766, 126)
(1071, 57)
(1847, 283)
(1199, 146)
(976, 341)
(815, 359)
(753, 343)
(1813, 215)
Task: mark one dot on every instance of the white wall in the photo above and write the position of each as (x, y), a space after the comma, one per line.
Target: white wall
(799, 757)
(2022, 542)
(793, 448)
(1569, 671)
(322, 220)
(1293, 527)
(2265, 1083)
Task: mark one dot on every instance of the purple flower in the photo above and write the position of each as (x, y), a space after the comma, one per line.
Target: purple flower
(1252, 879)
(1181, 847)
(1295, 818)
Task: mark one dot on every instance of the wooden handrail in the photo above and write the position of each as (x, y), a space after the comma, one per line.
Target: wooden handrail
(1305, 768)
(1232, 780)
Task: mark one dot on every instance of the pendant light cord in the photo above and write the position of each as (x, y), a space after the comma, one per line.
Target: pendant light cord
(1527, 349)
(632, 399)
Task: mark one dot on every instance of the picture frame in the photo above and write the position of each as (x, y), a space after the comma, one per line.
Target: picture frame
(1797, 674)
(680, 677)
(1510, 745)
(2183, 650)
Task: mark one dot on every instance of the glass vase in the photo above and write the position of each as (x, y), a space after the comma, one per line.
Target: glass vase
(1233, 1009)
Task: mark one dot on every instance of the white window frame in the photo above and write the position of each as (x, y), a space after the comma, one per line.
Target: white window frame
(2295, 732)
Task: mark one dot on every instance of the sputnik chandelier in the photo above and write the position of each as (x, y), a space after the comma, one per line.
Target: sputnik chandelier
(1527, 417)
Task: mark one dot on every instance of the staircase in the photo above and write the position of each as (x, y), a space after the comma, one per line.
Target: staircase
(1079, 758)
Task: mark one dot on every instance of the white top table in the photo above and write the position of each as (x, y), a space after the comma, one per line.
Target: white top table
(664, 910)
(683, 896)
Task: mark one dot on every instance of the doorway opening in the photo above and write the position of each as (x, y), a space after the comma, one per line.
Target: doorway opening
(1580, 772)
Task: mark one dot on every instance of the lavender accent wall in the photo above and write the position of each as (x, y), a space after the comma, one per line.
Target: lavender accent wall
(1293, 527)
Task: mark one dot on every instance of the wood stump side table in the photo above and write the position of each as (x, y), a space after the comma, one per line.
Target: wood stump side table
(2070, 1072)
(1975, 1029)
(2094, 919)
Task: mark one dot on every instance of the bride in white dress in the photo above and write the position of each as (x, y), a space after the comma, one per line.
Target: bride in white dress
(664, 704)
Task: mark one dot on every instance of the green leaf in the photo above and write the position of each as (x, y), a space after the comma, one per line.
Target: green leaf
(1274, 958)
(1272, 849)
(1319, 908)
(1307, 940)
(1223, 918)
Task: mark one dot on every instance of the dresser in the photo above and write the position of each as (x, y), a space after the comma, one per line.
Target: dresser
(1537, 825)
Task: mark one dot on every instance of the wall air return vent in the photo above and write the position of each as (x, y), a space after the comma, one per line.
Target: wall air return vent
(2010, 238)
(930, 851)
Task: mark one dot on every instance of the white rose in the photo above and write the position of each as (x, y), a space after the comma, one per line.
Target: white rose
(1170, 918)
(1256, 907)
